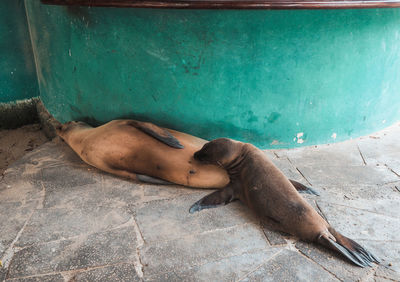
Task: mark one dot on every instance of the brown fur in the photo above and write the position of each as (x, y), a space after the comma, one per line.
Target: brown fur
(258, 183)
(122, 149)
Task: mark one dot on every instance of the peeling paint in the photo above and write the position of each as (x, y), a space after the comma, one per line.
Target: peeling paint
(334, 135)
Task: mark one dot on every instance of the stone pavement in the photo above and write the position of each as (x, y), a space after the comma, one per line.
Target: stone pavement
(61, 220)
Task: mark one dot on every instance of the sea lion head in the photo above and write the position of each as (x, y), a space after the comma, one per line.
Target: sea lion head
(221, 151)
(64, 129)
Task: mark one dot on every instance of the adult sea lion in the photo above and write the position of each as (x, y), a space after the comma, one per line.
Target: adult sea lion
(145, 152)
(258, 183)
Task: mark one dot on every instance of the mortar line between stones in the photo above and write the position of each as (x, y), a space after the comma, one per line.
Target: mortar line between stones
(265, 235)
(398, 175)
(123, 225)
(346, 206)
(260, 265)
(9, 253)
(140, 241)
(322, 213)
(299, 171)
(315, 262)
(71, 273)
(201, 233)
(303, 176)
(362, 156)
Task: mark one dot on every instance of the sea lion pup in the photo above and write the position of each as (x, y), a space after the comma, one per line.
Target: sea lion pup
(258, 183)
(145, 152)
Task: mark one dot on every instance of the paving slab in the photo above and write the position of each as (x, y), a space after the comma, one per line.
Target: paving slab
(290, 266)
(109, 247)
(333, 262)
(323, 174)
(119, 272)
(170, 219)
(60, 223)
(198, 249)
(361, 224)
(42, 278)
(228, 269)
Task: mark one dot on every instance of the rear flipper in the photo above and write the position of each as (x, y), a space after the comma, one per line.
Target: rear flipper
(303, 189)
(218, 198)
(152, 180)
(347, 247)
(158, 133)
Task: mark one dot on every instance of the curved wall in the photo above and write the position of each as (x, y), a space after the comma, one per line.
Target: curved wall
(17, 69)
(274, 78)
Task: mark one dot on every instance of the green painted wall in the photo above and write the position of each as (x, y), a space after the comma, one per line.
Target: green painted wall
(273, 78)
(17, 69)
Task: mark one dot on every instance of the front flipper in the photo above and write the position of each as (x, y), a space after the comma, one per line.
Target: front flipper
(157, 132)
(218, 198)
(152, 180)
(303, 189)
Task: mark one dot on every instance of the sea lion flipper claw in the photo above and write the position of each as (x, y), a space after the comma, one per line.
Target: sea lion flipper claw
(158, 133)
(301, 188)
(218, 198)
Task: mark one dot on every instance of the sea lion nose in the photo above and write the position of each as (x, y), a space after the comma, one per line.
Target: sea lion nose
(197, 156)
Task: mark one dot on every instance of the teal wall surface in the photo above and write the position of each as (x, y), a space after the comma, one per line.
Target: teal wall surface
(276, 78)
(17, 68)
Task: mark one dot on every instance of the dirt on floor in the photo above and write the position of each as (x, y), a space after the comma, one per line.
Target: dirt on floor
(14, 143)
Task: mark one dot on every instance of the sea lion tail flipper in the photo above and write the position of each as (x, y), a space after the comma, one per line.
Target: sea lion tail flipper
(218, 198)
(347, 247)
(152, 180)
(301, 188)
(158, 133)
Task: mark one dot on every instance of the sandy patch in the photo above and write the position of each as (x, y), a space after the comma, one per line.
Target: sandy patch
(14, 143)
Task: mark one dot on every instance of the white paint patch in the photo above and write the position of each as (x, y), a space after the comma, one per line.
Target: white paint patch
(300, 141)
(69, 52)
(334, 135)
(383, 121)
(294, 139)
(300, 134)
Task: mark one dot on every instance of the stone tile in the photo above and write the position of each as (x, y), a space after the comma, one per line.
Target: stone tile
(170, 219)
(359, 224)
(119, 272)
(20, 190)
(274, 238)
(384, 207)
(353, 192)
(333, 262)
(227, 269)
(388, 273)
(290, 266)
(110, 247)
(289, 170)
(65, 177)
(348, 175)
(13, 216)
(53, 224)
(112, 192)
(43, 278)
(329, 154)
(387, 251)
(382, 147)
(198, 249)
(3, 273)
